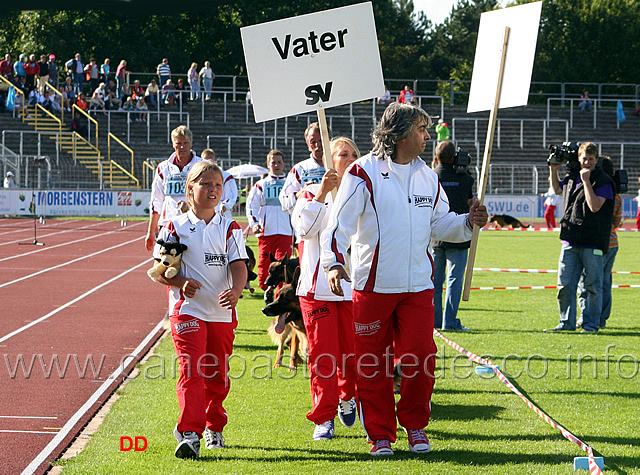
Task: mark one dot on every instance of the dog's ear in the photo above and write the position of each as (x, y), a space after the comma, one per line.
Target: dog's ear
(272, 258)
(160, 241)
(296, 276)
(286, 257)
(182, 247)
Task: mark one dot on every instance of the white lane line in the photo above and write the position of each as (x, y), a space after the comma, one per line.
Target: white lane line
(71, 302)
(26, 431)
(22, 230)
(101, 251)
(47, 248)
(54, 233)
(28, 417)
(46, 452)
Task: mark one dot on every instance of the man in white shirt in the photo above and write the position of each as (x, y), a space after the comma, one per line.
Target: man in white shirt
(266, 218)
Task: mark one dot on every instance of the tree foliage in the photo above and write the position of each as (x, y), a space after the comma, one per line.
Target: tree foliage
(578, 42)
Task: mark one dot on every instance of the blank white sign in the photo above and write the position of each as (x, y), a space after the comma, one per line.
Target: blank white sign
(524, 21)
(313, 61)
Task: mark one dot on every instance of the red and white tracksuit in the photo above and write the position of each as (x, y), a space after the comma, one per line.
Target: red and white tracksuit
(386, 226)
(276, 237)
(168, 187)
(229, 194)
(202, 330)
(328, 318)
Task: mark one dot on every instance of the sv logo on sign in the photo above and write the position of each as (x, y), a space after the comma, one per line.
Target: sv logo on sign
(316, 93)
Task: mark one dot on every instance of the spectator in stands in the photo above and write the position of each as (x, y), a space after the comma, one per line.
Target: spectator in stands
(142, 107)
(74, 69)
(167, 190)
(51, 102)
(229, 186)
(248, 98)
(67, 94)
(121, 73)
(6, 67)
(386, 97)
(406, 96)
(137, 91)
(168, 96)
(101, 91)
(81, 101)
(112, 99)
(92, 74)
(95, 102)
(585, 101)
(78, 126)
(43, 67)
(54, 75)
(18, 68)
(181, 90)
(450, 258)
(152, 92)
(31, 70)
(125, 92)
(442, 131)
(34, 97)
(194, 81)
(164, 72)
(266, 218)
(105, 70)
(9, 180)
(130, 107)
(206, 73)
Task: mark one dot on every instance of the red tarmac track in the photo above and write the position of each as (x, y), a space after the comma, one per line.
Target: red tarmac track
(82, 298)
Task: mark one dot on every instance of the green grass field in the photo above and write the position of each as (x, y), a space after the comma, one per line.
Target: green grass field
(587, 383)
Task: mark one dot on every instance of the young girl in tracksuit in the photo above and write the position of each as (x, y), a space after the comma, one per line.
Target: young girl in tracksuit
(328, 318)
(203, 297)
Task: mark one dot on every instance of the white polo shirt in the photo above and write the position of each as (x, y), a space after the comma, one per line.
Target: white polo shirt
(211, 248)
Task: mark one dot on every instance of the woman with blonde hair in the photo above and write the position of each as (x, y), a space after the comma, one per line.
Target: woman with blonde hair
(194, 81)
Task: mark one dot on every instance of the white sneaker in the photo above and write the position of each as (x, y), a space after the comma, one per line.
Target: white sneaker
(347, 412)
(189, 446)
(212, 439)
(324, 431)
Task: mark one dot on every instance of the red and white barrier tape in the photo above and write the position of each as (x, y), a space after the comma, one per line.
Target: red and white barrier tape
(540, 271)
(544, 287)
(593, 467)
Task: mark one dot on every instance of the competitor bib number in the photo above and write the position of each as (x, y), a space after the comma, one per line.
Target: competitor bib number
(174, 185)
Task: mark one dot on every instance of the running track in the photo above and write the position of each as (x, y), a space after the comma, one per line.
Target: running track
(84, 294)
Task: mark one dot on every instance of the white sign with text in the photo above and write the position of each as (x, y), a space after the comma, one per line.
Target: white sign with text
(524, 21)
(320, 60)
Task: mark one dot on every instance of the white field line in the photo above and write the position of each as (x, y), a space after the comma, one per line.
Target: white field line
(66, 429)
(21, 230)
(66, 263)
(53, 233)
(46, 248)
(71, 302)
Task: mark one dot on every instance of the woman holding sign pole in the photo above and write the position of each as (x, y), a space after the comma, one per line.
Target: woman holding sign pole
(388, 208)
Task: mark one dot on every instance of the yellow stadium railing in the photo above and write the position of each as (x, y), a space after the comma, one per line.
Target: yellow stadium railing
(91, 119)
(4, 81)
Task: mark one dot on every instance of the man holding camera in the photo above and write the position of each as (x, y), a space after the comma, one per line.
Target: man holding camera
(588, 195)
(458, 185)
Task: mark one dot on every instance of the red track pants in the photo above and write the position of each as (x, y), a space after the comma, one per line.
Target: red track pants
(331, 362)
(203, 350)
(382, 321)
(279, 245)
(550, 216)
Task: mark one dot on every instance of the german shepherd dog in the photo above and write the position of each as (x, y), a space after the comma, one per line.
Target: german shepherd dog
(288, 327)
(280, 271)
(503, 220)
(251, 264)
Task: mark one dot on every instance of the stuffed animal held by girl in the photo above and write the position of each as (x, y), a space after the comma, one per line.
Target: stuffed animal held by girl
(170, 258)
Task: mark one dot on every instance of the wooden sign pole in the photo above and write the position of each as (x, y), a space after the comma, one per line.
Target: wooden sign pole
(326, 147)
(482, 184)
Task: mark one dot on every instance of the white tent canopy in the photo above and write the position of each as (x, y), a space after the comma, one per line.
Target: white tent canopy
(247, 170)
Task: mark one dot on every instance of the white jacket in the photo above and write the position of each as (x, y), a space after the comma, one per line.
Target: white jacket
(263, 207)
(387, 230)
(297, 177)
(229, 194)
(309, 219)
(168, 187)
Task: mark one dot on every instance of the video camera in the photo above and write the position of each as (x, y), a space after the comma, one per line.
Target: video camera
(621, 180)
(567, 152)
(461, 161)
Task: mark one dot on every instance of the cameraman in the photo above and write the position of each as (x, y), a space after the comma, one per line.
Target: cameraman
(585, 227)
(458, 187)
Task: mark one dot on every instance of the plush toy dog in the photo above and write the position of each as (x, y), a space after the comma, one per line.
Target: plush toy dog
(170, 257)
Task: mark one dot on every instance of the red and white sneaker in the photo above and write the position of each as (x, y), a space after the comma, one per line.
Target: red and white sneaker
(418, 441)
(381, 447)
